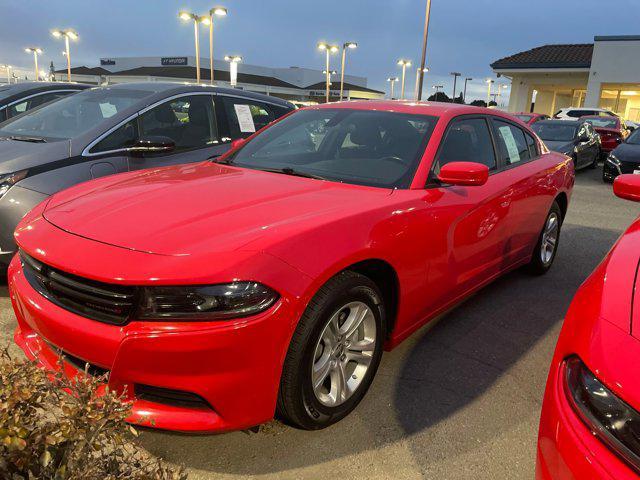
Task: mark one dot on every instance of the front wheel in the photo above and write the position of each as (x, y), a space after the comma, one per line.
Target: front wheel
(547, 246)
(334, 353)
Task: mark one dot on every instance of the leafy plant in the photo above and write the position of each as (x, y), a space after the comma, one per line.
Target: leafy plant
(57, 428)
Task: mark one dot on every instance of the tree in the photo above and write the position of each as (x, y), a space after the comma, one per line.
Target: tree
(439, 97)
(459, 99)
(493, 103)
(479, 103)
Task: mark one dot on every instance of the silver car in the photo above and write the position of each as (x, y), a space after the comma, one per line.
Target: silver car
(120, 128)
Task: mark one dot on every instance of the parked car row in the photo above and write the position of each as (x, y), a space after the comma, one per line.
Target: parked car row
(220, 284)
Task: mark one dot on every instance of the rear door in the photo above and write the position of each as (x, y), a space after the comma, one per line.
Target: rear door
(245, 116)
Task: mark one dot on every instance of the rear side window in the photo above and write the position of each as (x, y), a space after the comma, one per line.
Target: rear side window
(467, 140)
(246, 116)
(531, 145)
(512, 144)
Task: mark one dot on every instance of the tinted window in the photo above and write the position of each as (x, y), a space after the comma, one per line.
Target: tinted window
(354, 146)
(34, 102)
(524, 118)
(188, 121)
(512, 144)
(580, 113)
(467, 140)
(531, 145)
(123, 137)
(603, 122)
(555, 132)
(74, 114)
(246, 116)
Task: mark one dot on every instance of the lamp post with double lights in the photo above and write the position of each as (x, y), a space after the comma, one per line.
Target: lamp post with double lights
(392, 81)
(345, 46)
(417, 93)
(36, 51)
(218, 12)
(464, 95)
(423, 57)
(186, 16)
(328, 49)
(68, 34)
(455, 81)
(489, 83)
(233, 68)
(404, 64)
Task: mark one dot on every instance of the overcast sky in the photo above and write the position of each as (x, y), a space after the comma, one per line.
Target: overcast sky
(465, 35)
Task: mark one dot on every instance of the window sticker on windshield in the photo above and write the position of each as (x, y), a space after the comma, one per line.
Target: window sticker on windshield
(108, 110)
(510, 142)
(245, 120)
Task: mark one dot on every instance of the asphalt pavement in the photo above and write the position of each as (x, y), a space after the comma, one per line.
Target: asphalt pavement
(460, 401)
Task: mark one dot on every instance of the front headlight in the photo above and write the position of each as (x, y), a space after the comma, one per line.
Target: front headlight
(212, 302)
(9, 180)
(612, 420)
(613, 160)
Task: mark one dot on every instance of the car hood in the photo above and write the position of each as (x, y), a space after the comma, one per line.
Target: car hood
(626, 152)
(559, 146)
(207, 207)
(17, 155)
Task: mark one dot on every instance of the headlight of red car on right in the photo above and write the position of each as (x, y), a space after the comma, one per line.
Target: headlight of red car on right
(612, 420)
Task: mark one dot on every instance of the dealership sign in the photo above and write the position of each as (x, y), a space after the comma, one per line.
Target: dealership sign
(107, 61)
(166, 61)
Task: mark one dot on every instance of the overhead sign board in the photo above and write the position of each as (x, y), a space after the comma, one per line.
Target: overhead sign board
(171, 61)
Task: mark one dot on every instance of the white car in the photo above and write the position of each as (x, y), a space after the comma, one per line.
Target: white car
(573, 113)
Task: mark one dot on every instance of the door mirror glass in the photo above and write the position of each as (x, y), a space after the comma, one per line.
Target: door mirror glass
(464, 174)
(627, 187)
(153, 144)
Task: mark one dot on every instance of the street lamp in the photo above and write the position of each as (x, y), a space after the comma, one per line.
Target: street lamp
(424, 70)
(423, 57)
(455, 80)
(489, 83)
(67, 34)
(404, 64)
(329, 49)
(186, 16)
(345, 46)
(36, 51)
(464, 95)
(392, 81)
(8, 67)
(220, 12)
(233, 68)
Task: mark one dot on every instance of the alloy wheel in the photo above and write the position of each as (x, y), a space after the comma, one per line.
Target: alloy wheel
(549, 238)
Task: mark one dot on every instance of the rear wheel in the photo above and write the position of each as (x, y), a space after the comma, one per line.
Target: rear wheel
(547, 246)
(334, 353)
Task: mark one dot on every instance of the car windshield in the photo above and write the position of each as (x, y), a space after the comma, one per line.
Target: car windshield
(524, 118)
(603, 122)
(634, 138)
(73, 115)
(362, 147)
(554, 132)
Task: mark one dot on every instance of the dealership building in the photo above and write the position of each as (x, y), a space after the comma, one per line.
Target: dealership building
(605, 74)
(291, 83)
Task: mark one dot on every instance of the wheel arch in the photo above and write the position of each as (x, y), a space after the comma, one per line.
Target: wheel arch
(563, 203)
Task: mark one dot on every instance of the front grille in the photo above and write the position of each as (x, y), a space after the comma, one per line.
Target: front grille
(629, 167)
(99, 301)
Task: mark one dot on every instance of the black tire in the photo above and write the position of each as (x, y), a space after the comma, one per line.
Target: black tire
(606, 178)
(298, 405)
(537, 265)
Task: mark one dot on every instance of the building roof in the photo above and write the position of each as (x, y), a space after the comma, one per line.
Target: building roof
(336, 85)
(549, 56)
(85, 71)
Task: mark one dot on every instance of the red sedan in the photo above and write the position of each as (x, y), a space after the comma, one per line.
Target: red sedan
(612, 131)
(590, 423)
(271, 280)
(530, 118)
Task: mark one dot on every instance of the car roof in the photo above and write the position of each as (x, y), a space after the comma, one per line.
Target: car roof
(28, 86)
(552, 121)
(168, 88)
(594, 109)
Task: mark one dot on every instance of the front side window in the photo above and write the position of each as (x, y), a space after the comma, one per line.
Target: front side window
(189, 121)
(361, 147)
(467, 140)
(512, 144)
(123, 137)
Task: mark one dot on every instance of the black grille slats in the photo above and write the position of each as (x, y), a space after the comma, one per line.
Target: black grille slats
(95, 300)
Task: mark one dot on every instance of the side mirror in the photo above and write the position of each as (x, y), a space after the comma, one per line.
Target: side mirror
(153, 144)
(464, 174)
(628, 187)
(237, 143)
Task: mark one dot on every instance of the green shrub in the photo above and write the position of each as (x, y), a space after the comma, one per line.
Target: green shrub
(52, 427)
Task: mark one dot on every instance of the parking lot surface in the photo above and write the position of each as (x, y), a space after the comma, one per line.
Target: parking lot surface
(460, 401)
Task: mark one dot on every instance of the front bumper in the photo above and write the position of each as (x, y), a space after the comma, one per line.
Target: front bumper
(566, 447)
(234, 366)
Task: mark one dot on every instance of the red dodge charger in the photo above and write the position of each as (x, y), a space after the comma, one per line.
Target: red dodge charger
(590, 423)
(270, 280)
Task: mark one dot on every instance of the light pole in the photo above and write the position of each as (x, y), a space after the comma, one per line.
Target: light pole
(8, 67)
(455, 80)
(67, 34)
(500, 88)
(489, 83)
(220, 12)
(464, 95)
(345, 46)
(36, 51)
(186, 16)
(424, 70)
(329, 49)
(404, 64)
(425, 35)
(233, 68)
(392, 81)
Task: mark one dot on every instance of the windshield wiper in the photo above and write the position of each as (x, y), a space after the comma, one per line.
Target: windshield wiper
(293, 172)
(28, 139)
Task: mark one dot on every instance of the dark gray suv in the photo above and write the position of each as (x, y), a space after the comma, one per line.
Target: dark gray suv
(22, 97)
(120, 128)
